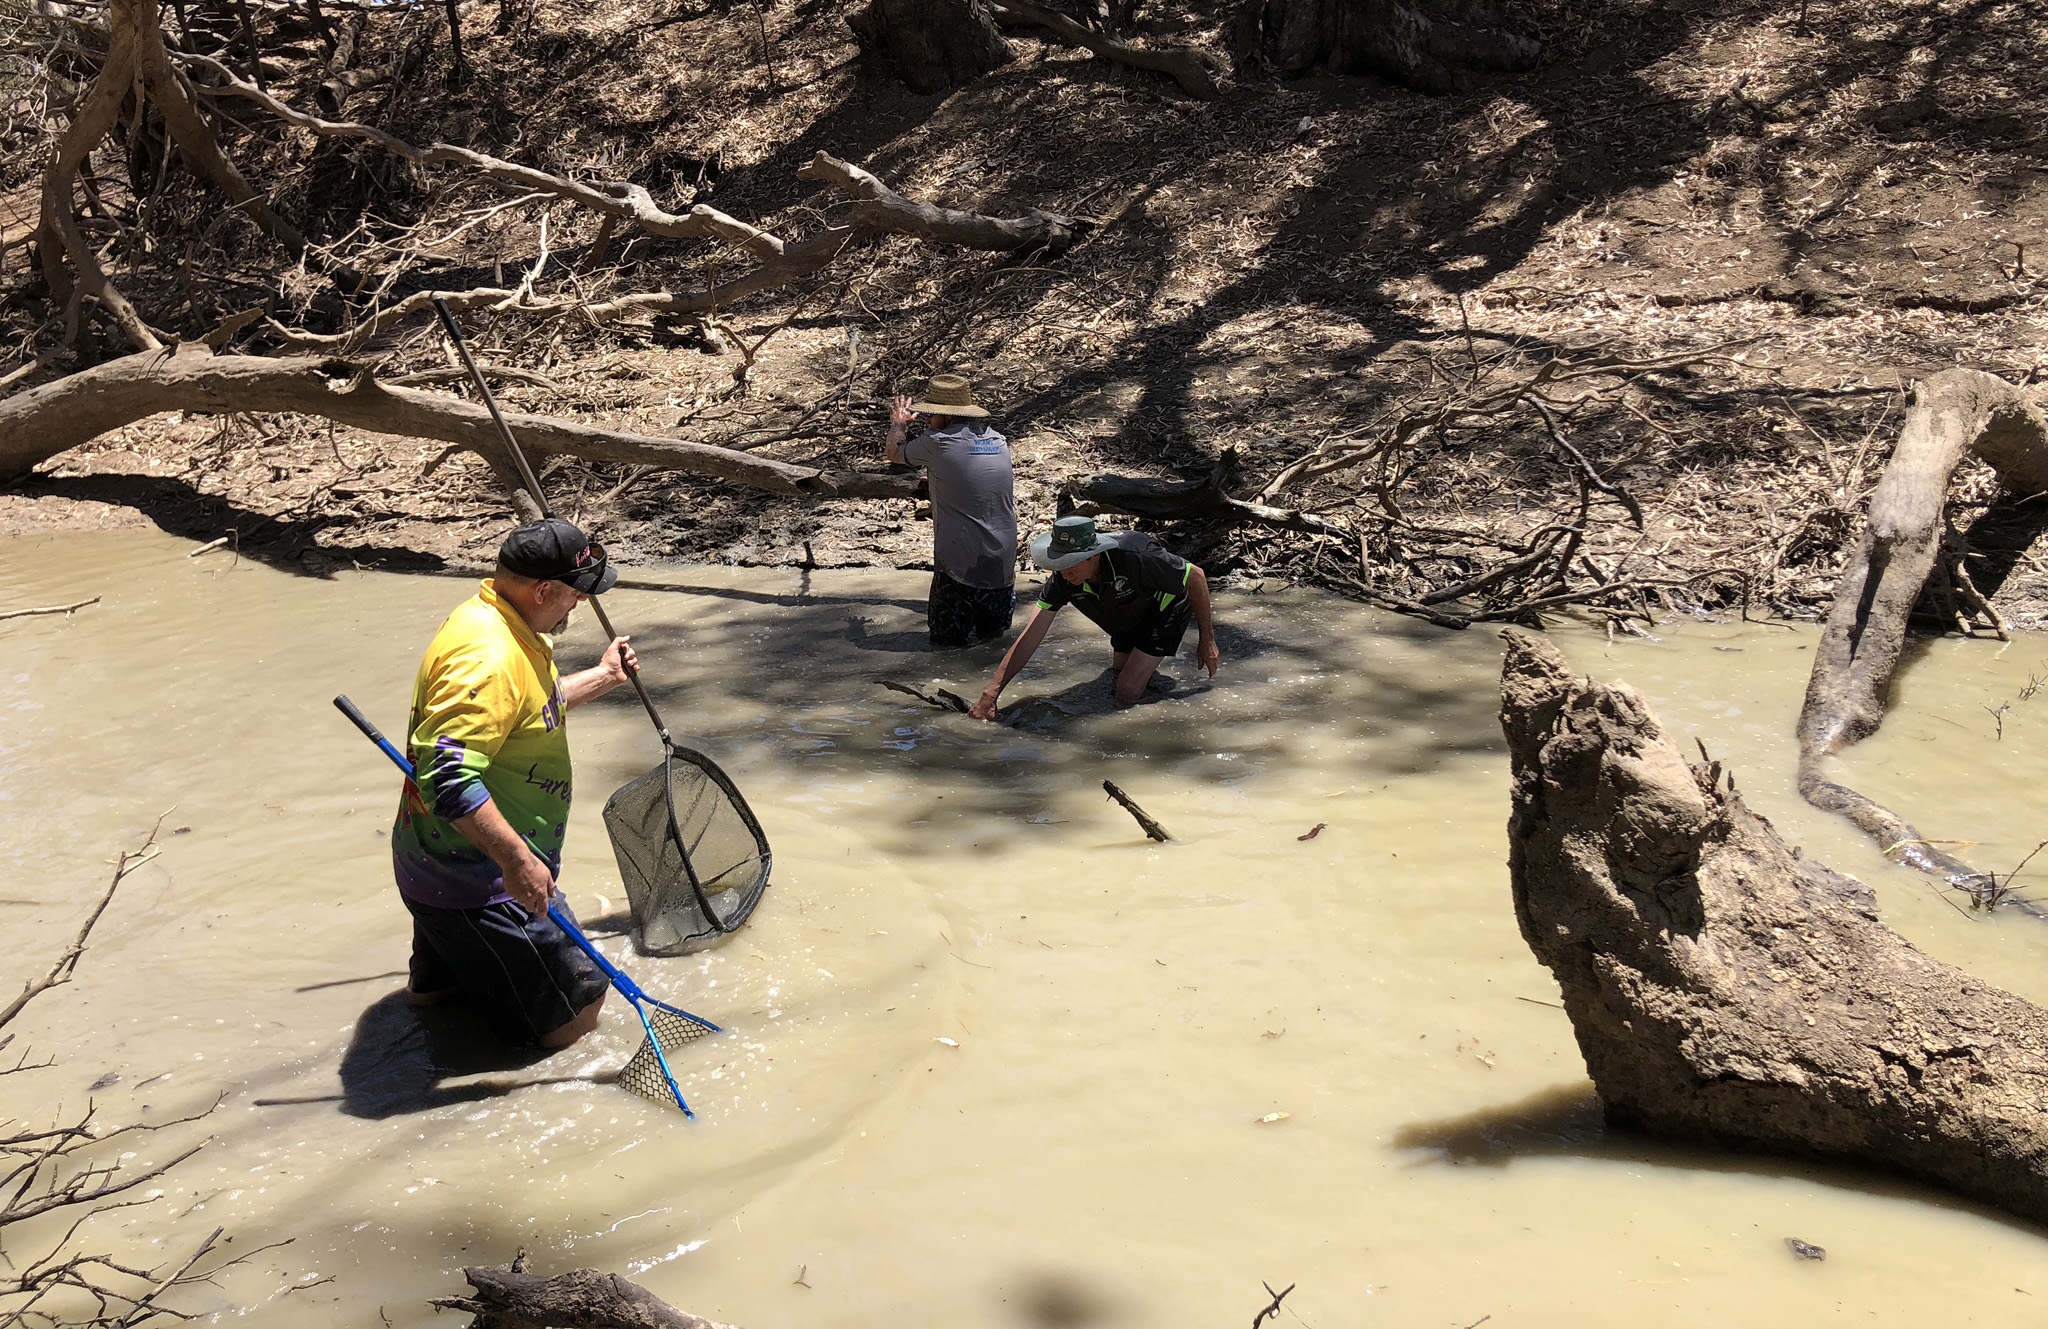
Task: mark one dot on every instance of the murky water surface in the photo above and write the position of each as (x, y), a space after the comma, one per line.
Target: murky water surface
(993, 1057)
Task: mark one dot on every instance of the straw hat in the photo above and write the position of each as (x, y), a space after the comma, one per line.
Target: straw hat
(948, 394)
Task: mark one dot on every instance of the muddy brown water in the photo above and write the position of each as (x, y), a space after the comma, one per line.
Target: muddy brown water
(993, 1058)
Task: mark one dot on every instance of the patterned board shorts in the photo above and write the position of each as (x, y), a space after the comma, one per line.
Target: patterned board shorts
(962, 615)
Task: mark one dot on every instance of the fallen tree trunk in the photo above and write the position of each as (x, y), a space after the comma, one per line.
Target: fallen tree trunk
(510, 1298)
(1953, 413)
(1726, 991)
(1205, 499)
(40, 423)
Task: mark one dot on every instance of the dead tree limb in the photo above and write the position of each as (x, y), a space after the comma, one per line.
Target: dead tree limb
(66, 963)
(1145, 823)
(1724, 990)
(1206, 499)
(508, 1298)
(615, 198)
(1184, 64)
(58, 237)
(1953, 413)
(40, 423)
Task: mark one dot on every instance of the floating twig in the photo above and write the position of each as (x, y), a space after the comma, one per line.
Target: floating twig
(938, 698)
(1272, 1311)
(66, 610)
(1313, 831)
(1145, 822)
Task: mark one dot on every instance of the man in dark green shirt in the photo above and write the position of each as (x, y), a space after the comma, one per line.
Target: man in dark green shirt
(1130, 586)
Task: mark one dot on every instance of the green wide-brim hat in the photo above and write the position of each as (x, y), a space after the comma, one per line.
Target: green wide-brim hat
(1071, 540)
(948, 394)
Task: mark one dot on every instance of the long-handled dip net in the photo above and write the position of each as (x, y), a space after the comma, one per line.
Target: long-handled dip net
(691, 854)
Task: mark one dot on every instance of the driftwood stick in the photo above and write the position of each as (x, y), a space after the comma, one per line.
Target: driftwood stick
(60, 972)
(1145, 822)
(66, 610)
(938, 698)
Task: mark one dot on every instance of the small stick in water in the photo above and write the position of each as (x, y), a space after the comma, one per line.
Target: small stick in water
(1313, 831)
(945, 701)
(66, 610)
(1145, 822)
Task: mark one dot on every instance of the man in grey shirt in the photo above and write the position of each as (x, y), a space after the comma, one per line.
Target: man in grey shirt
(974, 511)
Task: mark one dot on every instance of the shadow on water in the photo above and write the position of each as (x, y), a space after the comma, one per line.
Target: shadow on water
(399, 1059)
(1566, 1121)
(1301, 681)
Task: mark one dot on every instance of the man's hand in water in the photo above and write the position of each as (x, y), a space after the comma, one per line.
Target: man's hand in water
(529, 882)
(985, 708)
(1207, 656)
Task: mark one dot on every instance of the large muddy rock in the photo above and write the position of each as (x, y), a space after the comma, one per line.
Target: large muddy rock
(1726, 991)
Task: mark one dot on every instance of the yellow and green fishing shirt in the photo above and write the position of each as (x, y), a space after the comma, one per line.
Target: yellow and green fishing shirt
(486, 722)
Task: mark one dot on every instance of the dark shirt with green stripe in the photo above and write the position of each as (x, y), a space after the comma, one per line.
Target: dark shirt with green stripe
(1139, 583)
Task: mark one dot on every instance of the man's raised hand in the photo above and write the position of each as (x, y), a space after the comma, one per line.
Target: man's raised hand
(900, 413)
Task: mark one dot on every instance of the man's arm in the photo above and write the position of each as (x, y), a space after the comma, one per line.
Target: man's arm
(1206, 654)
(609, 672)
(1014, 660)
(900, 416)
(527, 879)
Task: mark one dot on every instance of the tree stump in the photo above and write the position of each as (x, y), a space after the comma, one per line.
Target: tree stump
(936, 44)
(1726, 991)
(1432, 45)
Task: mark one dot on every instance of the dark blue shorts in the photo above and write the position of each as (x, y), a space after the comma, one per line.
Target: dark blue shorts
(523, 974)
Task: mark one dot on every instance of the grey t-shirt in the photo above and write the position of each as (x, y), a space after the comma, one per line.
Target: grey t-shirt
(974, 503)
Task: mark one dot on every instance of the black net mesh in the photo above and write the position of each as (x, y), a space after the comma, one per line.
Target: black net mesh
(691, 855)
(643, 1073)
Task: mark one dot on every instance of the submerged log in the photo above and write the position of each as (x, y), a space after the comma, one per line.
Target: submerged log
(1726, 991)
(511, 1298)
(1953, 413)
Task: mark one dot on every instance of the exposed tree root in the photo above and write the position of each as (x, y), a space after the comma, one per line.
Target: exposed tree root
(1726, 991)
(1953, 413)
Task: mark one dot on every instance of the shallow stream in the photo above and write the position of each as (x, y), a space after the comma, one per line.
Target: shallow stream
(993, 1058)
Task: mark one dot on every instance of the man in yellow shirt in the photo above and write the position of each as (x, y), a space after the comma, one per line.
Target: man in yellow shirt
(478, 838)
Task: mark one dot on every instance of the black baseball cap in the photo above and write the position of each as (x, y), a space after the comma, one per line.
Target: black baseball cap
(554, 550)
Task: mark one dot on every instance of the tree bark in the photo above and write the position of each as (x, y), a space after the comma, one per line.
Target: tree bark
(40, 423)
(1953, 413)
(1433, 45)
(936, 44)
(507, 1298)
(1726, 991)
